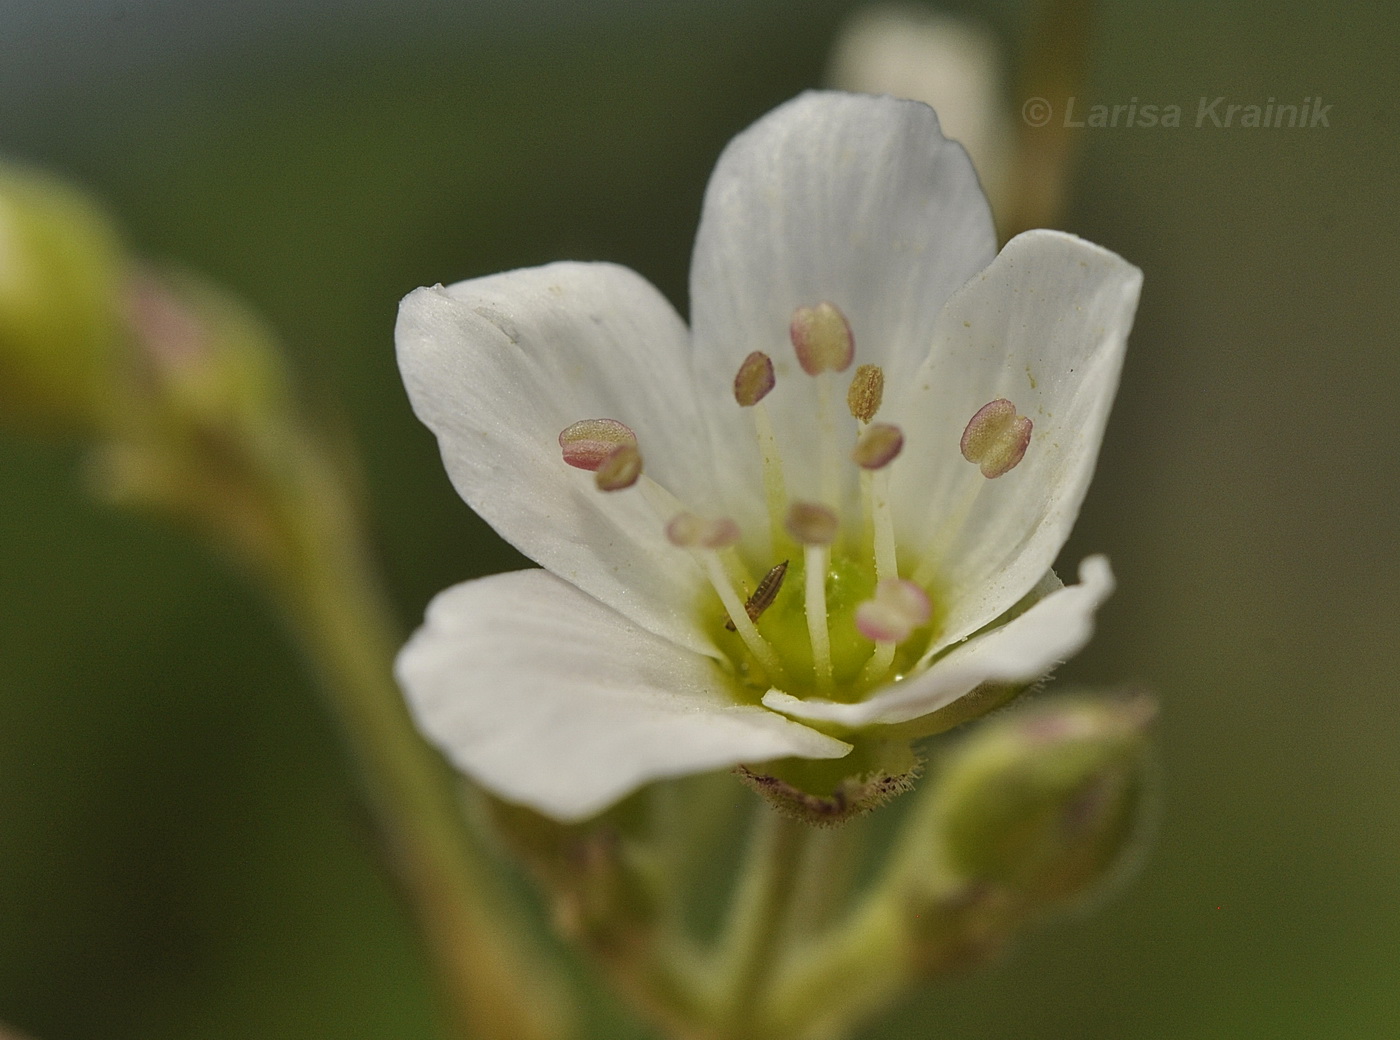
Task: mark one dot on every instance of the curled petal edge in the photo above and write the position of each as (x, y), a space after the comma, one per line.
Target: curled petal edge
(1023, 650)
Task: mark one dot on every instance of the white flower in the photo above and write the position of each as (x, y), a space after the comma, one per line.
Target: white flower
(835, 216)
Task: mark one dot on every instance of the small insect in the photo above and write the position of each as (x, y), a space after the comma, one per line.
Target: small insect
(764, 595)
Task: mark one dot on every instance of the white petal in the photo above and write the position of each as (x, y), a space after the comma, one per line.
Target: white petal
(1045, 327)
(498, 366)
(552, 700)
(851, 199)
(1020, 651)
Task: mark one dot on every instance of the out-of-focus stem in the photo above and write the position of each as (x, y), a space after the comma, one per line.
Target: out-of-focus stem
(1054, 68)
(751, 943)
(323, 583)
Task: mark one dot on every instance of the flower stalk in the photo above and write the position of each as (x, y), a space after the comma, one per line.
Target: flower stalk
(753, 933)
(231, 460)
(494, 989)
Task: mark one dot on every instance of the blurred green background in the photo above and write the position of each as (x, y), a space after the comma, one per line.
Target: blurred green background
(181, 854)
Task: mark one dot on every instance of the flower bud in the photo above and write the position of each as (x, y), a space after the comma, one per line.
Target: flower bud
(204, 428)
(60, 272)
(1045, 802)
(205, 359)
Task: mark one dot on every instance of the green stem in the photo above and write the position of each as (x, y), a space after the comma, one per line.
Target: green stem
(918, 920)
(750, 945)
(837, 978)
(324, 585)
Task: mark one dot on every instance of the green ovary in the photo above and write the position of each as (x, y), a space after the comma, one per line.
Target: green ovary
(849, 582)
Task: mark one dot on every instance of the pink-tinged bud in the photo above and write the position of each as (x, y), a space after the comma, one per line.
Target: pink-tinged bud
(166, 328)
(588, 443)
(1047, 803)
(877, 446)
(867, 392)
(811, 523)
(620, 469)
(754, 379)
(688, 531)
(898, 608)
(822, 338)
(996, 438)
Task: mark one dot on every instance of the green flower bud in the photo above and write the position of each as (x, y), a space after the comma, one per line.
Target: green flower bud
(61, 270)
(202, 356)
(203, 430)
(600, 881)
(1045, 802)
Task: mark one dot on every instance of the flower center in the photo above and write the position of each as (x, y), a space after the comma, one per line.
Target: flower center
(830, 614)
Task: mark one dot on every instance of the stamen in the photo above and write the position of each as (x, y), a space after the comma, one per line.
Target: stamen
(817, 558)
(875, 490)
(668, 508)
(774, 486)
(996, 438)
(826, 429)
(712, 543)
(898, 608)
(815, 527)
(811, 523)
(664, 504)
(743, 624)
(822, 338)
(867, 392)
(620, 469)
(688, 531)
(752, 383)
(587, 443)
(877, 446)
(754, 380)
